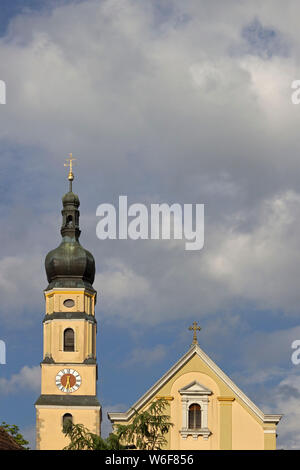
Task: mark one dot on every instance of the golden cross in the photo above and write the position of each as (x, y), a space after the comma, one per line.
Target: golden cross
(195, 328)
(70, 165)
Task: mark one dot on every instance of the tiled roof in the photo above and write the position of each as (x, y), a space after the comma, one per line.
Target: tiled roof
(7, 442)
(65, 400)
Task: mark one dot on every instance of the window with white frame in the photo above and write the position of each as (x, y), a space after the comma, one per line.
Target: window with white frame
(195, 398)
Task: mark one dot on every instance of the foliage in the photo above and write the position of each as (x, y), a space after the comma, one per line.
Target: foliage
(147, 431)
(148, 428)
(13, 431)
(82, 439)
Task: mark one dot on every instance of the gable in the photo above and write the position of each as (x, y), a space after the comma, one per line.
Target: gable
(196, 361)
(186, 372)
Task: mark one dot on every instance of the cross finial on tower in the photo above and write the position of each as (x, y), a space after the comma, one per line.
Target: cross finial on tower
(69, 163)
(194, 328)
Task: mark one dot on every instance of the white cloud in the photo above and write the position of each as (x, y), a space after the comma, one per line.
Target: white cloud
(261, 264)
(244, 261)
(121, 288)
(29, 378)
(19, 282)
(285, 400)
(162, 95)
(158, 106)
(145, 357)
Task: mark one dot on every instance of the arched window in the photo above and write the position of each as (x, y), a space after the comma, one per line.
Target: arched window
(67, 420)
(69, 221)
(69, 340)
(194, 416)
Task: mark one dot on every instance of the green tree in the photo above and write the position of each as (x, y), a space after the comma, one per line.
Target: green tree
(82, 439)
(13, 430)
(147, 431)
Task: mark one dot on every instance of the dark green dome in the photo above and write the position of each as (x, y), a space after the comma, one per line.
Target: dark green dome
(70, 265)
(70, 199)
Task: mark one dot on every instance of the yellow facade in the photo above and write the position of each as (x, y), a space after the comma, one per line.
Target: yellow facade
(232, 421)
(54, 403)
(49, 425)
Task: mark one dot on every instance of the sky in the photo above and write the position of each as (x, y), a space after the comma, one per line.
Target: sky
(165, 102)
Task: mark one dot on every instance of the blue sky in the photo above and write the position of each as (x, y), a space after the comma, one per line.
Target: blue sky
(11, 9)
(171, 101)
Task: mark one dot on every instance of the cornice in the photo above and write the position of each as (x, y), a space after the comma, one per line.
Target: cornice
(69, 316)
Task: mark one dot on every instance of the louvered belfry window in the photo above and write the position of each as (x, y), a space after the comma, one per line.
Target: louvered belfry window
(69, 343)
(194, 416)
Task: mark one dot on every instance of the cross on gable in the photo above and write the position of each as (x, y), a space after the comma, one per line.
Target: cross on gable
(195, 328)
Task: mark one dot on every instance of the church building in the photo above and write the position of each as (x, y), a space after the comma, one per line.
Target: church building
(208, 411)
(69, 367)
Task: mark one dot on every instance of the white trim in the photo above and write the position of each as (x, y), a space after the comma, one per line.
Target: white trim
(194, 350)
(66, 319)
(68, 407)
(63, 289)
(200, 389)
(195, 433)
(270, 431)
(67, 364)
(192, 393)
(271, 418)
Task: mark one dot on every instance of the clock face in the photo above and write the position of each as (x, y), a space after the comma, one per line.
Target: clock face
(68, 380)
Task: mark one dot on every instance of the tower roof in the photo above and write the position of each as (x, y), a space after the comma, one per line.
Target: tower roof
(70, 265)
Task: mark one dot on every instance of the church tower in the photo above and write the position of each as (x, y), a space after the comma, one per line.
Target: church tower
(69, 367)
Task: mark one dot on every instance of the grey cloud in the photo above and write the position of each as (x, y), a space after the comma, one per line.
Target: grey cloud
(153, 105)
(170, 117)
(288, 391)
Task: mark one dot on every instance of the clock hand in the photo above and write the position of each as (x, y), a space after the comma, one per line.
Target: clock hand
(68, 382)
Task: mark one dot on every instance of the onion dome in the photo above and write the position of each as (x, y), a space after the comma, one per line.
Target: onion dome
(70, 265)
(70, 199)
